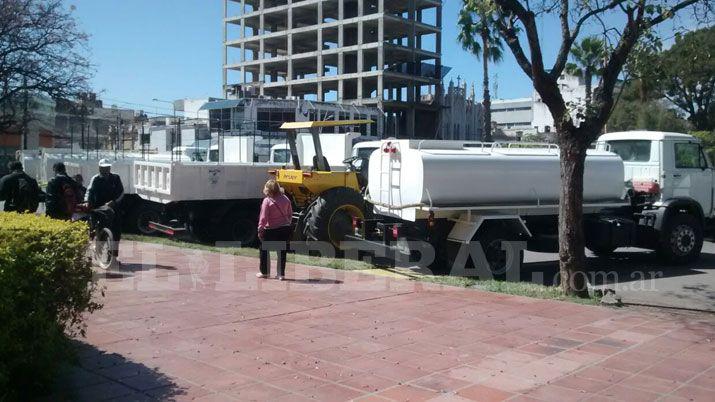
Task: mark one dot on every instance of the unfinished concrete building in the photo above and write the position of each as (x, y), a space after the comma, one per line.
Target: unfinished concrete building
(382, 53)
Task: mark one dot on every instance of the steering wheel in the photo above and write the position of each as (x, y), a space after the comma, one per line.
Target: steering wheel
(350, 162)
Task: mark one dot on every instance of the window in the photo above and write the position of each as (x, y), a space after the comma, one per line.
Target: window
(631, 150)
(282, 156)
(689, 156)
(364, 153)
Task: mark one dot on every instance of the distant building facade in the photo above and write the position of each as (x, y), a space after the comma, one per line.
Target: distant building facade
(461, 115)
(380, 53)
(515, 118)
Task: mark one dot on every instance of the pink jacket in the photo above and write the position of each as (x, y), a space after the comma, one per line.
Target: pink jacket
(275, 212)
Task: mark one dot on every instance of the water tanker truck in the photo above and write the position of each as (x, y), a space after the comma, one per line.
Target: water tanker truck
(641, 189)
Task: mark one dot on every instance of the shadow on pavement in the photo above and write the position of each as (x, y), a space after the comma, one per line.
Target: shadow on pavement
(128, 270)
(621, 267)
(98, 375)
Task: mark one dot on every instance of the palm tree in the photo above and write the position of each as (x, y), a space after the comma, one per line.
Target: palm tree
(477, 36)
(587, 58)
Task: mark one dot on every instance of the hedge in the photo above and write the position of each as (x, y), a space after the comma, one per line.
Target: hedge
(45, 287)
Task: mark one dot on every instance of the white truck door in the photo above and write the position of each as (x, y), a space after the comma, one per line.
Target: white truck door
(689, 174)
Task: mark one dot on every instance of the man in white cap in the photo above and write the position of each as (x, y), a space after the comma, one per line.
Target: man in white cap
(106, 188)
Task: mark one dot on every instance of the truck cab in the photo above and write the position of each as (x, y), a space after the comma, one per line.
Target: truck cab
(668, 166)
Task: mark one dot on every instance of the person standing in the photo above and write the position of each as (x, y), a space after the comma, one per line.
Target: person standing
(106, 189)
(63, 194)
(274, 228)
(20, 192)
(80, 182)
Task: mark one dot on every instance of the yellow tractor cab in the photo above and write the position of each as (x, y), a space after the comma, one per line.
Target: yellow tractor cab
(326, 200)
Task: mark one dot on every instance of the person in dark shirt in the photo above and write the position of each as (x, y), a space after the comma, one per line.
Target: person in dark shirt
(106, 189)
(20, 192)
(80, 182)
(63, 194)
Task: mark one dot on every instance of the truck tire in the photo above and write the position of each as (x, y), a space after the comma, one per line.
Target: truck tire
(681, 240)
(329, 217)
(141, 215)
(491, 241)
(602, 251)
(241, 228)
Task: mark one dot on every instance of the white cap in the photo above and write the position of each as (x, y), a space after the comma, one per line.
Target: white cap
(105, 163)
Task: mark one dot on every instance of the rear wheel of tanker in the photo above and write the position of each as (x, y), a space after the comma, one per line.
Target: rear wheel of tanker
(330, 217)
(682, 240)
(602, 251)
(499, 260)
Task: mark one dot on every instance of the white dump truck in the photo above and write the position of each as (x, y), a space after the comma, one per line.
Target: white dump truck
(643, 189)
(219, 199)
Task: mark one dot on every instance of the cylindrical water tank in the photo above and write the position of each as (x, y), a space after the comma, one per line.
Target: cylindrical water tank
(442, 173)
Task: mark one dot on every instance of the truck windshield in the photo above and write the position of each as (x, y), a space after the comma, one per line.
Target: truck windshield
(631, 150)
(364, 153)
(281, 156)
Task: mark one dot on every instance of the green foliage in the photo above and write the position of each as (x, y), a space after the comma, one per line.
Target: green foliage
(476, 23)
(688, 76)
(45, 287)
(708, 141)
(633, 113)
(587, 56)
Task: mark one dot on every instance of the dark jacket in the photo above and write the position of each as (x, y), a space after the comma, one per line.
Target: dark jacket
(9, 192)
(55, 201)
(103, 189)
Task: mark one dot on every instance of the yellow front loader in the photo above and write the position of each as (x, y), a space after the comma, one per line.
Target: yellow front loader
(326, 201)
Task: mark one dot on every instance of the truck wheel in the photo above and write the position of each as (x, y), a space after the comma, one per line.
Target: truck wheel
(141, 215)
(240, 228)
(602, 251)
(682, 240)
(491, 241)
(330, 216)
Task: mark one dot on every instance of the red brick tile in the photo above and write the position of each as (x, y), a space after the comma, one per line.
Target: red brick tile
(662, 371)
(510, 383)
(441, 383)
(470, 374)
(550, 392)
(622, 393)
(598, 349)
(408, 393)
(582, 384)
(333, 392)
(256, 392)
(297, 382)
(694, 393)
(705, 380)
(368, 382)
(484, 393)
(540, 349)
(603, 374)
(653, 384)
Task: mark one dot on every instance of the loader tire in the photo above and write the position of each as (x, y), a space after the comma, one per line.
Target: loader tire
(329, 217)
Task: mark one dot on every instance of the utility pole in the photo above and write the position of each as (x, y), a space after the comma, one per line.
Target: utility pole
(116, 135)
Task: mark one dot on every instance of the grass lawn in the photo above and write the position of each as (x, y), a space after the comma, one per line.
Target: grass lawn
(513, 288)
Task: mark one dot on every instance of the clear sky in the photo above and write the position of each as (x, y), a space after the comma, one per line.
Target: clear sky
(172, 49)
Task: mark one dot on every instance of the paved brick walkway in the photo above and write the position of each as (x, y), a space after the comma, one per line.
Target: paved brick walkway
(184, 324)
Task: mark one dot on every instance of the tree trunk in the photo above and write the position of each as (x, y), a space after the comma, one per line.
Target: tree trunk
(699, 120)
(572, 259)
(486, 102)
